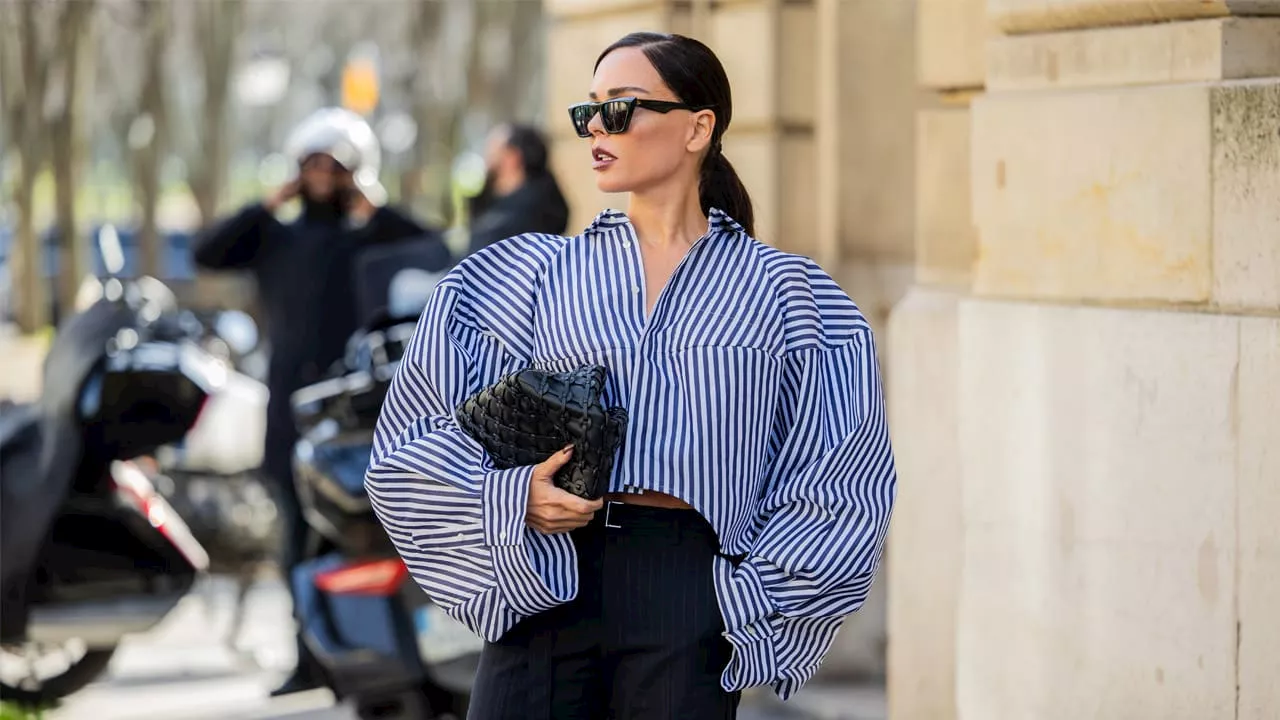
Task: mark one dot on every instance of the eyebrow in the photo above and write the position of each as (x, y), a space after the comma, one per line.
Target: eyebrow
(614, 92)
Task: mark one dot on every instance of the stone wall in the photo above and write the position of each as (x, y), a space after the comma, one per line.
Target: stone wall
(1086, 389)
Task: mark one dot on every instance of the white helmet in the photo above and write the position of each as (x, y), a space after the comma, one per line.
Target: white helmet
(348, 139)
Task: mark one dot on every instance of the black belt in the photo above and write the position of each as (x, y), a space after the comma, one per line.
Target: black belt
(619, 515)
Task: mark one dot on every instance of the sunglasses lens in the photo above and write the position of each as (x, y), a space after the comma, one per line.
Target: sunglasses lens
(615, 115)
(581, 116)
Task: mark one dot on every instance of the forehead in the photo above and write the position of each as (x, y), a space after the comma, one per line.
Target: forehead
(626, 71)
(497, 140)
(319, 160)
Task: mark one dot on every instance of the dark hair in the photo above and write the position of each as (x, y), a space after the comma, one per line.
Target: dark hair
(695, 75)
(528, 141)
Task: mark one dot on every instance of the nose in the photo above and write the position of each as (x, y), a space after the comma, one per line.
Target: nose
(596, 125)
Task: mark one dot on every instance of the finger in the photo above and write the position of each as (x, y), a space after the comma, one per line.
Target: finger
(558, 460)
(577, 505)
(556, 528)
(555, 515)
(568, 525)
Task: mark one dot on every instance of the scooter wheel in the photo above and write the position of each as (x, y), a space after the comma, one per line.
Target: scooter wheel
(41, 692)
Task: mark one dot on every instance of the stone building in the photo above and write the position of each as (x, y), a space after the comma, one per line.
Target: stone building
(1064, 215)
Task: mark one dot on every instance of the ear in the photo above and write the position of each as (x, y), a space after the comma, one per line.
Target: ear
(702, 127)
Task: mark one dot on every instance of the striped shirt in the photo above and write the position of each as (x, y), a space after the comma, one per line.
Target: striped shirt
(753, 393)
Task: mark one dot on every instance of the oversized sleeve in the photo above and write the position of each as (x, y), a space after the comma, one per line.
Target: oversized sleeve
(824, 513)
(458, 522)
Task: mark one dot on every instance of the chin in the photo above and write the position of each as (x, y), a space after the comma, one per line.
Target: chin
(611, 185)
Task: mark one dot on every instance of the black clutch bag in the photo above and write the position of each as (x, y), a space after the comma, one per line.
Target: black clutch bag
(530, 415)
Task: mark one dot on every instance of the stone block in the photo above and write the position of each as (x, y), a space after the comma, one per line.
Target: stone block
(1071, 208)
(876, 143)
(1259, 423)
(565, 8)
(1099, 498)
(797, 194)
(756, 158)
(1246, 214)
(1026, 16)
(1197, 51)
(922, 367)
(573, 44)
(778, 172)
(945, 236)
(950, 40)
(773, 71)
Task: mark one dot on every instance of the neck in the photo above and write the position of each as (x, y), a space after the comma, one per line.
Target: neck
(668, 216)
(322, 211)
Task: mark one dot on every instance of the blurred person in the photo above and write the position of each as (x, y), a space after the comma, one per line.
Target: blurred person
(520, 193)
(306, 288)
(746, 514)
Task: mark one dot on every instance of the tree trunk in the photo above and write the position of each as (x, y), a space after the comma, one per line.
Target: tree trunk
(30, 293)
(67, 149)
(27, 128)
(219, 23)
(424, 35)
(149, 158)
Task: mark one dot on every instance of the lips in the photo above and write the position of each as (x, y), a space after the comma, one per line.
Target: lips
(601, 158)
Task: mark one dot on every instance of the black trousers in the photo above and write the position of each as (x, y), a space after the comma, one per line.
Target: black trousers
(641, 640)
(278, 466)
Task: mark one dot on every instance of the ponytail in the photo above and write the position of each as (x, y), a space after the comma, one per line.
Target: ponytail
(720, 187)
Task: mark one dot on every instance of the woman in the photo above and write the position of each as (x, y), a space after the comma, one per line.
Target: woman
(749, 502)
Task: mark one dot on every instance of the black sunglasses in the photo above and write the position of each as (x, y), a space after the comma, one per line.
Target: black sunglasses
(615, 113)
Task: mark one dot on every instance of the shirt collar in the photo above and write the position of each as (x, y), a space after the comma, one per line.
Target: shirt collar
(717, 220)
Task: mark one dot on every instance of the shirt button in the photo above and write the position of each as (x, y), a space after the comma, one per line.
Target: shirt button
(626, 243)
(635, 289)
(502, 535)
(459, 536)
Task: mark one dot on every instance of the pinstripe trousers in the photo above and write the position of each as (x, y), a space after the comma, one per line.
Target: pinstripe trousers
(641, 640)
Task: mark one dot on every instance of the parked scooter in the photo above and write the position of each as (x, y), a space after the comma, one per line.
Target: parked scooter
(90, 552)
(381, 642)
(212, 476)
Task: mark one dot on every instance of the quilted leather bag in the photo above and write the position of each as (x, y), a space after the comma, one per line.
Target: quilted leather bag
(528, 416)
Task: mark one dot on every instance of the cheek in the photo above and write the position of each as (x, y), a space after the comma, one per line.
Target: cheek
(649, 153)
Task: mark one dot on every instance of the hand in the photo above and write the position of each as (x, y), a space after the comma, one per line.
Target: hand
(359, 206)
(552, 510)
(287, 192)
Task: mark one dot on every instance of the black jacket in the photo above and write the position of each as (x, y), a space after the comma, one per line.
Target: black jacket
(306, 288)
(537, 206)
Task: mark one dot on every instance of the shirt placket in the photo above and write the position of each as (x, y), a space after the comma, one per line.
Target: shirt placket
(639, 291)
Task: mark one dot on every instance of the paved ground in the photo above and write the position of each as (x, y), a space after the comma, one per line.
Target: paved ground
(20, 362)
(183, 670)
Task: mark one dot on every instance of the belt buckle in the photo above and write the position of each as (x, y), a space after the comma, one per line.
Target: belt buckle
(608, 508)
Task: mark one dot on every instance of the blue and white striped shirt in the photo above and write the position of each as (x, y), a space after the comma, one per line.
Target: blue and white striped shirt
(753, 394)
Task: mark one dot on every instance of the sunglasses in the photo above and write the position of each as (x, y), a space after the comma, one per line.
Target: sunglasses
(615, 113)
